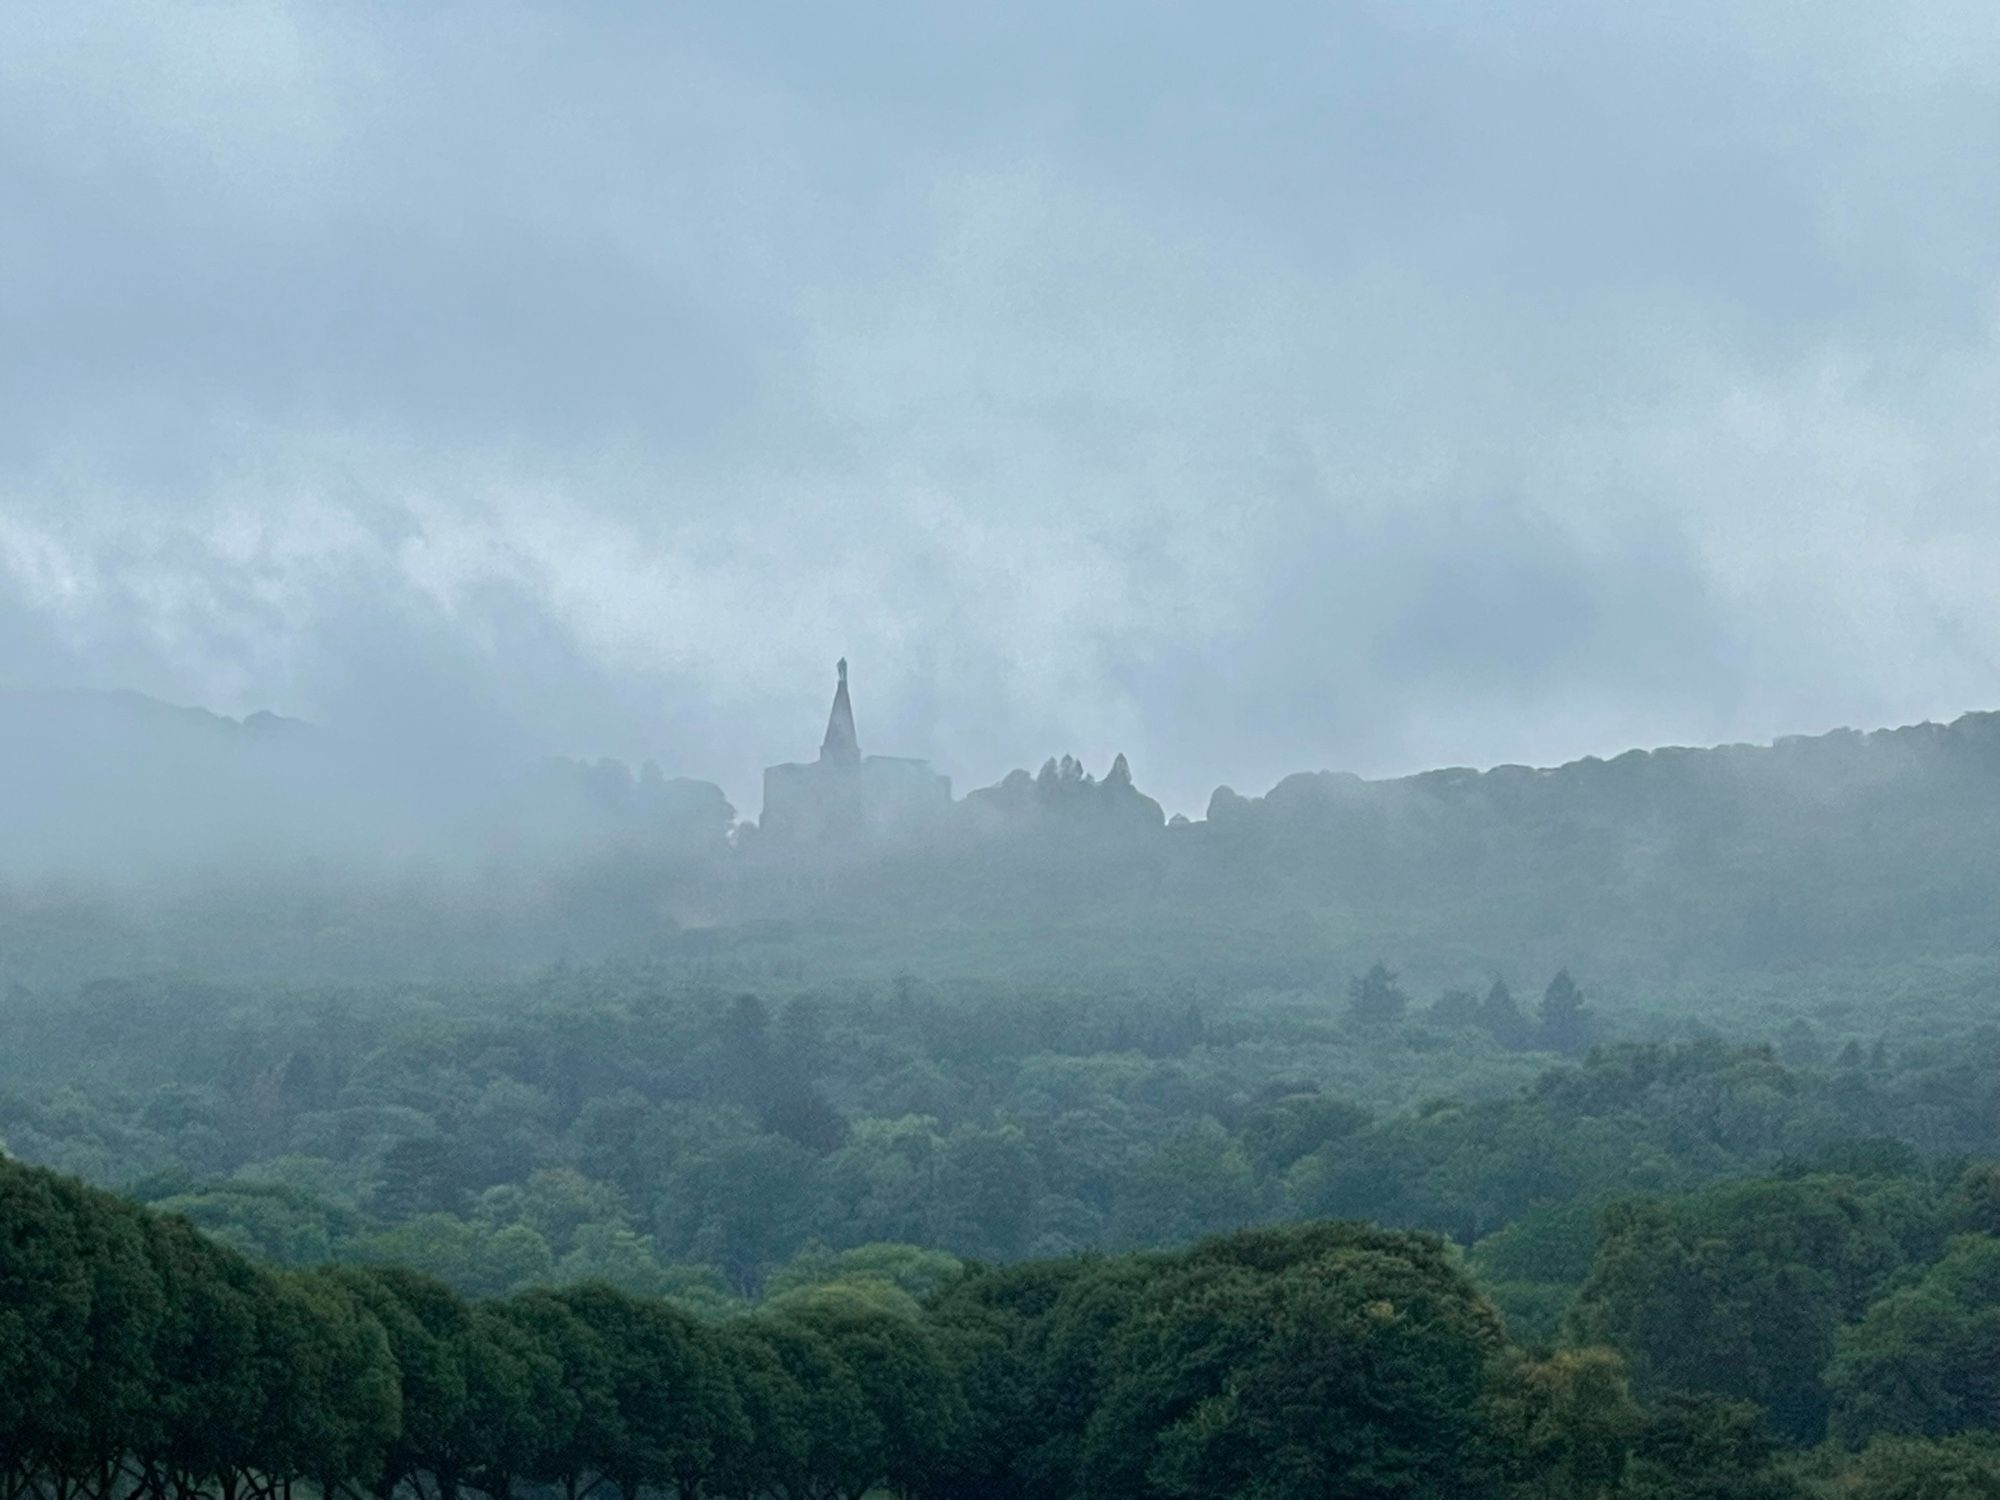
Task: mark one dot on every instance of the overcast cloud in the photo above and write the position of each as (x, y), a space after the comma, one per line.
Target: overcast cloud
(1250, 388)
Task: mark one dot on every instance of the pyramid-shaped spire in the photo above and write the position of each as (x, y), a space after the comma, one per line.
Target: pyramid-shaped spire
(840, 747)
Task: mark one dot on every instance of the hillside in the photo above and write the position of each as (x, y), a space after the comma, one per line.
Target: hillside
(292, 852)
(1652, 869)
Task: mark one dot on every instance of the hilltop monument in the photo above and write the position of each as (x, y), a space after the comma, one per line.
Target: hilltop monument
(840, 747)
(845, 797)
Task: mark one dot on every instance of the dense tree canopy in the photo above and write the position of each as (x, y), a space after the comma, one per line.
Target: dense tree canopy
(1707, 1331)
(145, 1358)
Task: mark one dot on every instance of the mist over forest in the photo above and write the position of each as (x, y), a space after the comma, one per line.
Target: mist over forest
(539, 1049)
(1116, 752)
(270, 847)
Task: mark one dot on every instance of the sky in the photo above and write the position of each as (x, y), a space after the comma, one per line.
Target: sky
(1248, 389)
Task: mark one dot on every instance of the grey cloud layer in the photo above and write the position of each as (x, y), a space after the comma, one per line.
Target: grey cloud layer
(1306, 388)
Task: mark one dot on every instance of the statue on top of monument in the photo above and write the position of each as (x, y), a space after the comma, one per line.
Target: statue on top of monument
(841, 747)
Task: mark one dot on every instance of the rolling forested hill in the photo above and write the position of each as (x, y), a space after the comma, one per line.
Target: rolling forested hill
(1685, 1058)
(267, 848)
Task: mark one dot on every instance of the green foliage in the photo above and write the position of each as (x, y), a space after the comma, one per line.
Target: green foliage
(1901, 1469)
(1303, 1362)
(1925, 1360)
(618, 1123)
(1376, 999)
(907, 1268)
(1276, 1134)
(1198, 1183)
(1564, 1024)
(898, 1370)
(141, 1356)
(1555, 1244)
(1698, 1446)
(677, 1414)
(1567, 1423)
(836, 1195)
(1500, 1015)
(1739, 1291)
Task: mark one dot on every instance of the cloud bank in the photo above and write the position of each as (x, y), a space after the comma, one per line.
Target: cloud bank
(1361, 388)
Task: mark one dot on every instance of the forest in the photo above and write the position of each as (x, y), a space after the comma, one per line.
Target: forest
(991, 1218)
(1450, 1181)
(1825, 1333)
(1665, 875)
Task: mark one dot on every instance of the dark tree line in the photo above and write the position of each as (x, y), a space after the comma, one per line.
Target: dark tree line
(140, 1361)
(1562, 1023)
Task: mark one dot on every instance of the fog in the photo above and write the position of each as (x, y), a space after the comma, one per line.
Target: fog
(1300, 389)
(1044, 752)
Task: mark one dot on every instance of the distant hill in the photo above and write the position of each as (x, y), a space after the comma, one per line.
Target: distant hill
(1656, 867)
(106, 782)
(1661, 865)
(1882, 843)
(118, 784)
